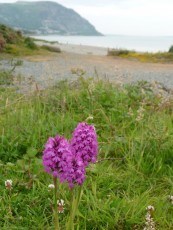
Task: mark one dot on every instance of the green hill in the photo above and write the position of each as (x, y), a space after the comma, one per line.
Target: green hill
(9, 36)
(44, 18)
(13, 42)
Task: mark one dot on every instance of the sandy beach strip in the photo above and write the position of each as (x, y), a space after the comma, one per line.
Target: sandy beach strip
(93, 62)
(77, 49)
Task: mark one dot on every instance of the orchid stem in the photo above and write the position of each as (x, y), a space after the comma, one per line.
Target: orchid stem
(75, 199)
(56, 220)
(70, 225)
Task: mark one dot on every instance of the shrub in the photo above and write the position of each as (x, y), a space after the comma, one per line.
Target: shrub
(52, 48)
(11, 49)
(9, 34)
(118, 52)
(19, 33)
(171, 49)
(2, 42)
(30, 43)
(11, 38)
(6, 78)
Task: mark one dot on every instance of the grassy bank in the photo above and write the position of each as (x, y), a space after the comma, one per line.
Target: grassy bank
(14, 44)
(159, 57)
(134, 126)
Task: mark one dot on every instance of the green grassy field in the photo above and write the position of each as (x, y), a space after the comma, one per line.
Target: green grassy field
(134, 128)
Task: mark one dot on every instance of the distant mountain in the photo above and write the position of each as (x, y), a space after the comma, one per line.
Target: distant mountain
(44, 18)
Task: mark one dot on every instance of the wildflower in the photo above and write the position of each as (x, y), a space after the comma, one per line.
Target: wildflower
(8, 184)
(77, 172)
(59, 161)
(171, 199)
(51, 187)
(149, 224)
(150, 208)
(84, 143)
(61, 205)
(68, 161)
(57, 157)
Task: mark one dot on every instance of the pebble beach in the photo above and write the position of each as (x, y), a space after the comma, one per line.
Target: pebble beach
(89, 61)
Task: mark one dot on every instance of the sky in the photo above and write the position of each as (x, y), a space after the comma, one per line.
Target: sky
(125, 17)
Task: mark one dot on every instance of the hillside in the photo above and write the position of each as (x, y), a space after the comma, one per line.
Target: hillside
(14, 43)
(9, 35)
(44, 18)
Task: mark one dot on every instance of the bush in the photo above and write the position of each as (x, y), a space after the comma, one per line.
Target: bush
(6, 78)
(11, 38)
(30, 43)
(9, 34)
(118, 52)
(52, 48)
(19, 33)
(2, 42)
(171, 49)
(11, 49)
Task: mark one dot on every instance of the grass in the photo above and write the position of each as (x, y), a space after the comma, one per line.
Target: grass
(14, 44)
(45, 41)
(159, 57)
(116, 192)
(20, 50)
(51, 48)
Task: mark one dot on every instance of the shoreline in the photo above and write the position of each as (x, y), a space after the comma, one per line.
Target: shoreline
(146, 57)
(77, 49)
(144, 44)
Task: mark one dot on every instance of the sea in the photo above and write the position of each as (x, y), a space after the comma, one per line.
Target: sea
(137, 43)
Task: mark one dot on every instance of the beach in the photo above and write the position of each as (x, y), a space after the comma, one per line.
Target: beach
(88, 61)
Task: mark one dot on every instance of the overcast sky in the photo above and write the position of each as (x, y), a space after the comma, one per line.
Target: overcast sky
(128, 17)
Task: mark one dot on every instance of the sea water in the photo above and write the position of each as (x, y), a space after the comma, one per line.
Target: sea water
(137, 43)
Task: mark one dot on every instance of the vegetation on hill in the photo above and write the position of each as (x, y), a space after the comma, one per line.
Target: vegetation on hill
(44, 17)
(135, 166)
(12, 42)
(8, 36)
(162, 57)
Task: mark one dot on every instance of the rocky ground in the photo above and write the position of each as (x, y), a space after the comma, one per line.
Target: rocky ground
(71, 63)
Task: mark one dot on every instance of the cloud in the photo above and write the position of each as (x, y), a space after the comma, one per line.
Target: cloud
(90, 2)
(133, 17)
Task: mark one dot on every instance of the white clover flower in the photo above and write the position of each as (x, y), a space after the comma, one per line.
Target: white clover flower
(150, 208)
(60, 205)
(61, 201)
(89, 118)
(171, 199)
(8, 184)
(51, 187)
(149, 224)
